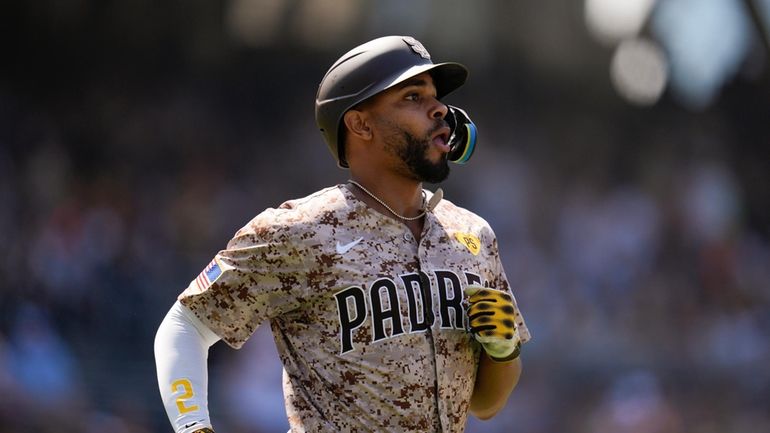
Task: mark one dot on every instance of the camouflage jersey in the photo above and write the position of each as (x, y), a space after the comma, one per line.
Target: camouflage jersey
(367, 321)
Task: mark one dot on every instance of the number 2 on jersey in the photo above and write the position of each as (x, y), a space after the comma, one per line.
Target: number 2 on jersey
(187, 393)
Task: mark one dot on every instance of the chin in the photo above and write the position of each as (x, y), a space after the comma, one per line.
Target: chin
(434, 173)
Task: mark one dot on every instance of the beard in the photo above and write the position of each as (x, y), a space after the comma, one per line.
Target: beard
(413, 152)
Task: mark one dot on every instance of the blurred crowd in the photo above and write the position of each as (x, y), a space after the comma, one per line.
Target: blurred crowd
(637, 242)
(646, 287)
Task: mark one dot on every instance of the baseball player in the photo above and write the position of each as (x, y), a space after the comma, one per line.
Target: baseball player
(390, 308)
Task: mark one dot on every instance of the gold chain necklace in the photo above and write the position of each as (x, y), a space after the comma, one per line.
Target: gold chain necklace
(437, 196)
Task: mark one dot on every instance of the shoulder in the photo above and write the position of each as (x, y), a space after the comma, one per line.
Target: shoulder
(468, 228)
(297, 219)
(453, 216)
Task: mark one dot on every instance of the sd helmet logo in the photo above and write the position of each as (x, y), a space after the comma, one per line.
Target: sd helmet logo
(417, 47)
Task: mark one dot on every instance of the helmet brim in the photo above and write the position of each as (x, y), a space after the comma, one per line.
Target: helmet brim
(447, 76)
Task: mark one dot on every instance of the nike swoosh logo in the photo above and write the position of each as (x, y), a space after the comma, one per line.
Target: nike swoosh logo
(191, 424)
(342, 249)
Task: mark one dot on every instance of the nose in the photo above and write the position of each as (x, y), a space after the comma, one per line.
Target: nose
(439, 111)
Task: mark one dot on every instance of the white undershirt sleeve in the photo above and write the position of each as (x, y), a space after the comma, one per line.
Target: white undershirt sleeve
(181, 353)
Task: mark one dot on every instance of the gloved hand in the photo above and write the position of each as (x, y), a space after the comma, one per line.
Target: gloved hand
(492, 322)
(204, 430)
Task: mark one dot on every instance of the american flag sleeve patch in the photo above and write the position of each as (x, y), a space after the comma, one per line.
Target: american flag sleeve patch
(209, 275)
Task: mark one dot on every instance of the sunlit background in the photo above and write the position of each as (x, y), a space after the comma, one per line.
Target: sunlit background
(623, 161)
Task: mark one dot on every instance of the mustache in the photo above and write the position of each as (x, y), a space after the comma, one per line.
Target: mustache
(438, 124)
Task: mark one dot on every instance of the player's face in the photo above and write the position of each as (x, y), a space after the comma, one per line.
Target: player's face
(410, 122)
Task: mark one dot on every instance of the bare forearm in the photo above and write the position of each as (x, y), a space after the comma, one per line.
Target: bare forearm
(494, 383)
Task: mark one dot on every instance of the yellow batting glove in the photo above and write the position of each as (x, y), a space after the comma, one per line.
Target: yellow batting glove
(492, 322)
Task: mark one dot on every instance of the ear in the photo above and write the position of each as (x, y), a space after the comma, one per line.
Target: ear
(357, 124)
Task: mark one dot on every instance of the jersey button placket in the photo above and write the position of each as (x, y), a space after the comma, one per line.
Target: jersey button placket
(426, 268)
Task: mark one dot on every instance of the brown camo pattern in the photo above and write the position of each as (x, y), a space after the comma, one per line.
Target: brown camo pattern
(283, 267)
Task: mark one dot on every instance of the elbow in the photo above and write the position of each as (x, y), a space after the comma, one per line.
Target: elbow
(486, 413)
(157, 341)
(163, 335)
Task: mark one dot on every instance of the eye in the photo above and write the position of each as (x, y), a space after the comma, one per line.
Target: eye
(414, 96)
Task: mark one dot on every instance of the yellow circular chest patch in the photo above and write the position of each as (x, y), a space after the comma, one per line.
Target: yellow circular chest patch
(470, 241)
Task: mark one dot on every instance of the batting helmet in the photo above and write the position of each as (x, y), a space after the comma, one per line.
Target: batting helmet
(369, 69)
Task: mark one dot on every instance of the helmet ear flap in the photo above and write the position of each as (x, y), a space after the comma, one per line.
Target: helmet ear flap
(462, 140)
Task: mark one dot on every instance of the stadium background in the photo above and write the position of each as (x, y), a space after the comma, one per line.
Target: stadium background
(623, 162)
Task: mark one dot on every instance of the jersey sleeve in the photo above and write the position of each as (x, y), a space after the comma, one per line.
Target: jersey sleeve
(500, 281)
(255, 279)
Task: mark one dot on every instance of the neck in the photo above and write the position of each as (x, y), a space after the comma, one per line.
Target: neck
(403, 196)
